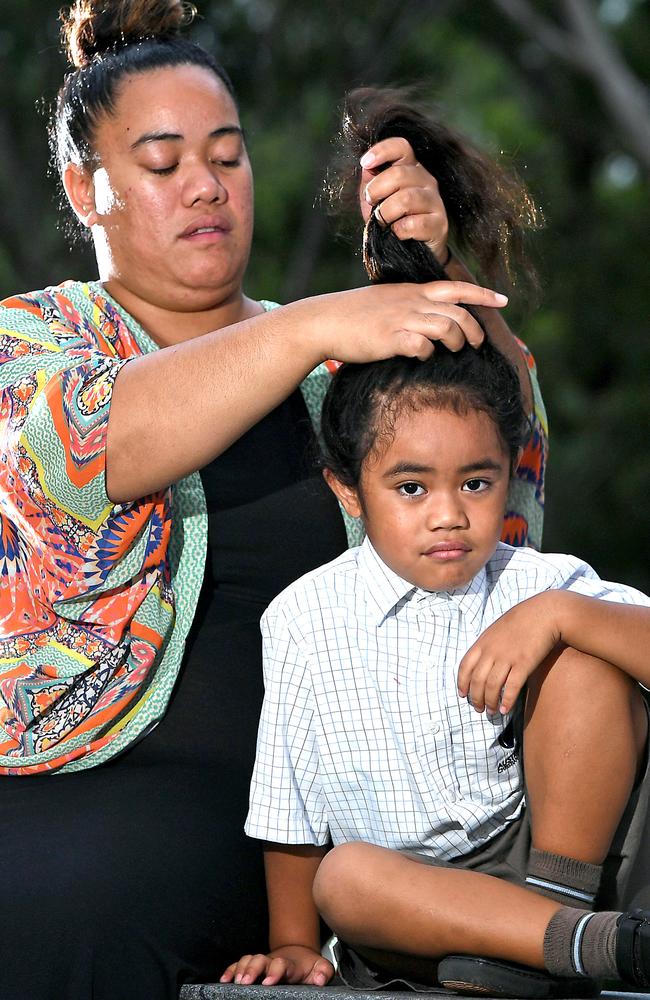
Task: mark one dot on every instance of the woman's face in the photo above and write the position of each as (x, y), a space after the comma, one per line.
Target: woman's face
(173, 191)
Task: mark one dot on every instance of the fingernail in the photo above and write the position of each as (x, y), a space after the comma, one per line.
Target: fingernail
(367, 196)
(501, 299)
(367, 159)
(238, 977)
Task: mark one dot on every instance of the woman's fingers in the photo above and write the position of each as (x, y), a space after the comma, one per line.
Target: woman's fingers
(464, 292)
(381, 321)
(450, 324)
(403, 190)
(378, 160)
(427, 227)
(405, 193)
(390, 150)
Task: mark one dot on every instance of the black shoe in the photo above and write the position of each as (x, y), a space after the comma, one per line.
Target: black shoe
(633, 948)
(471, 975)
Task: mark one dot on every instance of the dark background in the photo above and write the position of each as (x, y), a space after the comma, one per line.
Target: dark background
(558, 90)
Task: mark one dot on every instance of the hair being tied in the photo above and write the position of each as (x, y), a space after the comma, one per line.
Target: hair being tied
(364, 401)
(91, 27)
(489, 209)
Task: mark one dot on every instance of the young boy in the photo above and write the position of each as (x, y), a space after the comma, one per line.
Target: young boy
(392, 719)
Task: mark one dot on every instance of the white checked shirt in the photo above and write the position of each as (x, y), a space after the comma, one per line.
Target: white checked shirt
(363, 735)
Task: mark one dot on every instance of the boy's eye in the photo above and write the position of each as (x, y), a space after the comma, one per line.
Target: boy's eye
(476, 485)
(411, 489)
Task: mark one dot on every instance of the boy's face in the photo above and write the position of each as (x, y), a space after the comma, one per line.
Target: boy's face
(433, 499)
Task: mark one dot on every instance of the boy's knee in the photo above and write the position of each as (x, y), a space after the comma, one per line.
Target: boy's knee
(574, 693)
(339, 883)
(573, 674)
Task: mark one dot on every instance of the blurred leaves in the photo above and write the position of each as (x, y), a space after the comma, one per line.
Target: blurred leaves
(544, 114)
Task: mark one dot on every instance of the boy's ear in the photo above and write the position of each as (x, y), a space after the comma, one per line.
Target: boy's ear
(346, 495)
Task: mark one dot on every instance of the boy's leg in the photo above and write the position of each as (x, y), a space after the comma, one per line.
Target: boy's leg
(585, 734)
(405, 917)
(380, 899)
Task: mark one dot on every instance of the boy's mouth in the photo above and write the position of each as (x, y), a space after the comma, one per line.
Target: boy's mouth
(443, 551)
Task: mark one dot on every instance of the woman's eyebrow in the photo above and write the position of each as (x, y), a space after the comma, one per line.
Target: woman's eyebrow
(175, 136)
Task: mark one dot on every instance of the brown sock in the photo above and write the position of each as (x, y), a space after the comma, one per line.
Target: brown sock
(566, 880)
(581, 944)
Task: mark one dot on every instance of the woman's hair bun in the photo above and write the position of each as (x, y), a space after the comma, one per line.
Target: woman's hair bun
(91, 27)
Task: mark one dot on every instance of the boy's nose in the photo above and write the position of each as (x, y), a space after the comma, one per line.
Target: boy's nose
(447, 513)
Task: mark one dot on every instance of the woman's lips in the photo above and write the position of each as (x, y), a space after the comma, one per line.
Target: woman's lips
(206, 228)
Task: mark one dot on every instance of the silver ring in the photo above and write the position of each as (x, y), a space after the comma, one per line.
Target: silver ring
(379, 217)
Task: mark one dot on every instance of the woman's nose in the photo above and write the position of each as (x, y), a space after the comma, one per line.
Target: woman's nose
(204, 184)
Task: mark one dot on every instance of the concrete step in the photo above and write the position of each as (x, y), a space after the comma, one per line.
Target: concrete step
(230, 991)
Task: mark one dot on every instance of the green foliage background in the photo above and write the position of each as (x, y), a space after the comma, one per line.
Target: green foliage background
(291, 64)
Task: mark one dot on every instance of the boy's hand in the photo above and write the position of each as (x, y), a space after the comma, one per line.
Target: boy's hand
(405, 193)
(494, 670)
(292, 964)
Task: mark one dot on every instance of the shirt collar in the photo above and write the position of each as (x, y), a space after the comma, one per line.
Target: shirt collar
(386, 590)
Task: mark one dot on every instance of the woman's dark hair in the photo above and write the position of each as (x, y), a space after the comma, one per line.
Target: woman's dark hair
(106, 41)
(364, 400)
(488, 208)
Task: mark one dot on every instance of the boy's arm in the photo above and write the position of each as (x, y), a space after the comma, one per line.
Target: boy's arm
(496, 667)
(293, 918)
(294, 926)
(618, 633)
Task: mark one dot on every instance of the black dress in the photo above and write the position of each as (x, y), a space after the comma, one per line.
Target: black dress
(125, 881)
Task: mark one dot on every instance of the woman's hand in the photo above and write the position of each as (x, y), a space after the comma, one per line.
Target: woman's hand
(494, 670)
(406, 194)
(408, 200)
(291, 964)
(380, 321)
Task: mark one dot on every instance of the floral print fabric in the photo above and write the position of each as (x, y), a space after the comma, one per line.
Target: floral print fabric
(86, 599)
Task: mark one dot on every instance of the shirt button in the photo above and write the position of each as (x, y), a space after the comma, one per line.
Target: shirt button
(449, 795)
(435, 728)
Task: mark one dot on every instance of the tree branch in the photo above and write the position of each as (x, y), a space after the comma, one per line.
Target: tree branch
(541, 29)
(621, 92)
(585, 45)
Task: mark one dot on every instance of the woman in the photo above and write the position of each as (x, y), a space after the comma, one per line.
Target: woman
(127, 669)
